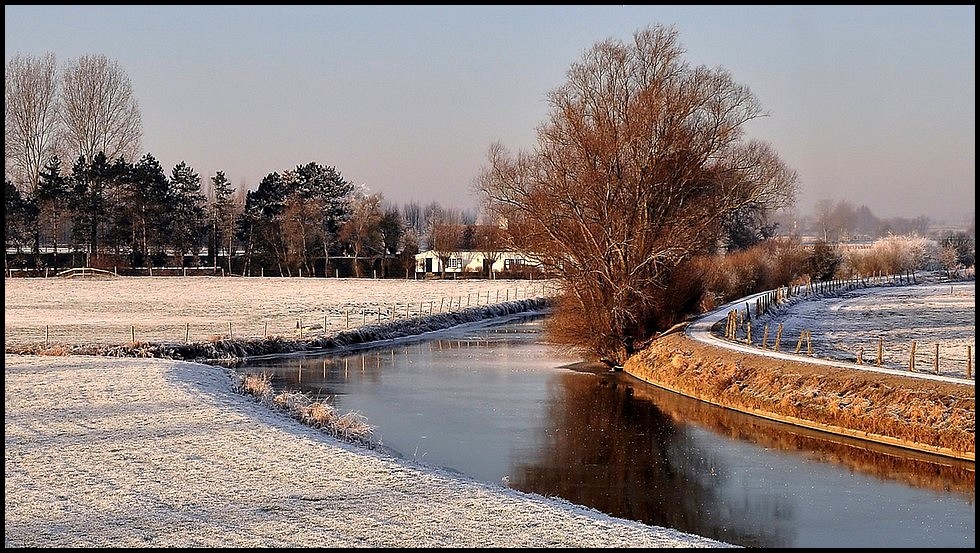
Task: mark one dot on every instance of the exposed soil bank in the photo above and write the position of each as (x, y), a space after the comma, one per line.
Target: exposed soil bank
(931, 416)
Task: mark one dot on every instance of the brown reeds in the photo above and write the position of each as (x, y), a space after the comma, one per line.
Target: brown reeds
(351, 426)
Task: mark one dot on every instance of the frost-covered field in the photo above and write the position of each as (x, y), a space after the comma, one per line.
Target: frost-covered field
(852, 321)
(126, 452)
(199, 308)
(108, 452)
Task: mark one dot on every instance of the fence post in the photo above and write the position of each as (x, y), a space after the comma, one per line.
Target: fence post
(880, 348)
(809, 343)
(132, 330)
(969, 361)
(912, 357)
(187, 333)
(779, 336)
(935, 359)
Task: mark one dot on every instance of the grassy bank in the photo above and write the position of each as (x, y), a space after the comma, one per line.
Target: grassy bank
(937, 417)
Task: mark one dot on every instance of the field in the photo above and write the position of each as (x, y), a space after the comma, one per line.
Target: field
(109, 452)
(851, 322)
(113, 452)
(195, 309)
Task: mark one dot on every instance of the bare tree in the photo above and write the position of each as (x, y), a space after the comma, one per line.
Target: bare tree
(362, 231)
(30, 117)
(491, 241)
(641, 161)
(446, 236)
(99, 111)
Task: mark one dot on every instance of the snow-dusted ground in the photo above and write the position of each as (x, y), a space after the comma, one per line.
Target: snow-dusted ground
(846, 322)
(150, 452)
(175, 309)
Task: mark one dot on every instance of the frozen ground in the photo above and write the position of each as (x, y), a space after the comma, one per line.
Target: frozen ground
(108, 452)
(852, 321)
(175, 309)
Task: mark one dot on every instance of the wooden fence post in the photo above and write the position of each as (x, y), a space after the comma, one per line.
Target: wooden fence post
(880, 348)
(935, 359)
(187, 333)
(809, 343)
(779, 336)
(969, 361)
(912, 357)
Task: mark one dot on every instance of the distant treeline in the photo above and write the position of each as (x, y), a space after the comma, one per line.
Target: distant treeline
(306, 221)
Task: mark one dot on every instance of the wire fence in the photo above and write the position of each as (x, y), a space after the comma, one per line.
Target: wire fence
(754, 324)
(312, 322)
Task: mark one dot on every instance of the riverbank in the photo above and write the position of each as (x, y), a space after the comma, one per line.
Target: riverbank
(121, 449)
(127, 452)
(931, 416)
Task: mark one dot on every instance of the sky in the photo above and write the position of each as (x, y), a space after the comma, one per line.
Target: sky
(874, 105)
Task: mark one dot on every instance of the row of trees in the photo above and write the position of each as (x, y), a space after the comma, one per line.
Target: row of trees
(80, 109)
(843, 221)
(308, 220)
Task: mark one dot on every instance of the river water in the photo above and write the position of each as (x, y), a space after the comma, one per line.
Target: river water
(495, 402)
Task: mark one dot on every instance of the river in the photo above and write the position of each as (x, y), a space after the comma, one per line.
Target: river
(496, 402)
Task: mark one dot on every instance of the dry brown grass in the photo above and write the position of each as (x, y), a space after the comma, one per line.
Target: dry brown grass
(930, 413)
(351, 426)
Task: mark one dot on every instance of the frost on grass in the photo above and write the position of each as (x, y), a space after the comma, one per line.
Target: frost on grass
(351, 427)
(853, 323)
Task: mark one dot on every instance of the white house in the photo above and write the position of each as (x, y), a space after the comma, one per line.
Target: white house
(475, 263)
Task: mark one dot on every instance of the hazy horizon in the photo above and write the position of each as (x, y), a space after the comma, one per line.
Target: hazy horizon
(874, 105)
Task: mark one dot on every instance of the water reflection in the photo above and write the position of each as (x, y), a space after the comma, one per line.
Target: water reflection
(626, 457)
(887, 463)
(497, 402)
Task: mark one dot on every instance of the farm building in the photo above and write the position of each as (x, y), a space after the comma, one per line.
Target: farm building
(471, 263)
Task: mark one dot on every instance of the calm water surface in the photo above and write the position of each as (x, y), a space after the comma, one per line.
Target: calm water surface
(496, 403)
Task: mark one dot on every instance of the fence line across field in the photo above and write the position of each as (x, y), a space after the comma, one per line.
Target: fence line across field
(330, 319)
(738, 327)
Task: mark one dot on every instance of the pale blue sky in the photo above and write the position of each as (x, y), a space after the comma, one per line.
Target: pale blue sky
(872, 104)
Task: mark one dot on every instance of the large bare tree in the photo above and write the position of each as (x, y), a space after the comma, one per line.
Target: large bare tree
(30, 117)
(99, 110)
(642, 159)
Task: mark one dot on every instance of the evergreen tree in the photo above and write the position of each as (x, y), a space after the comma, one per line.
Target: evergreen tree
(52, 200)
(144, 219)
(187, 214)
(222, 217)
(91, 203)
(16, 232)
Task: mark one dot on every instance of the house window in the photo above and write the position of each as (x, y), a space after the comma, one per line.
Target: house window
(455, 263)
(513, 264)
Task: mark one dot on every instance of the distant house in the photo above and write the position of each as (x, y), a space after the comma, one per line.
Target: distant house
(473, 263)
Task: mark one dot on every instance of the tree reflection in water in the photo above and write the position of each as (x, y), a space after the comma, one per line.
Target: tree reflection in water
(649, 469)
